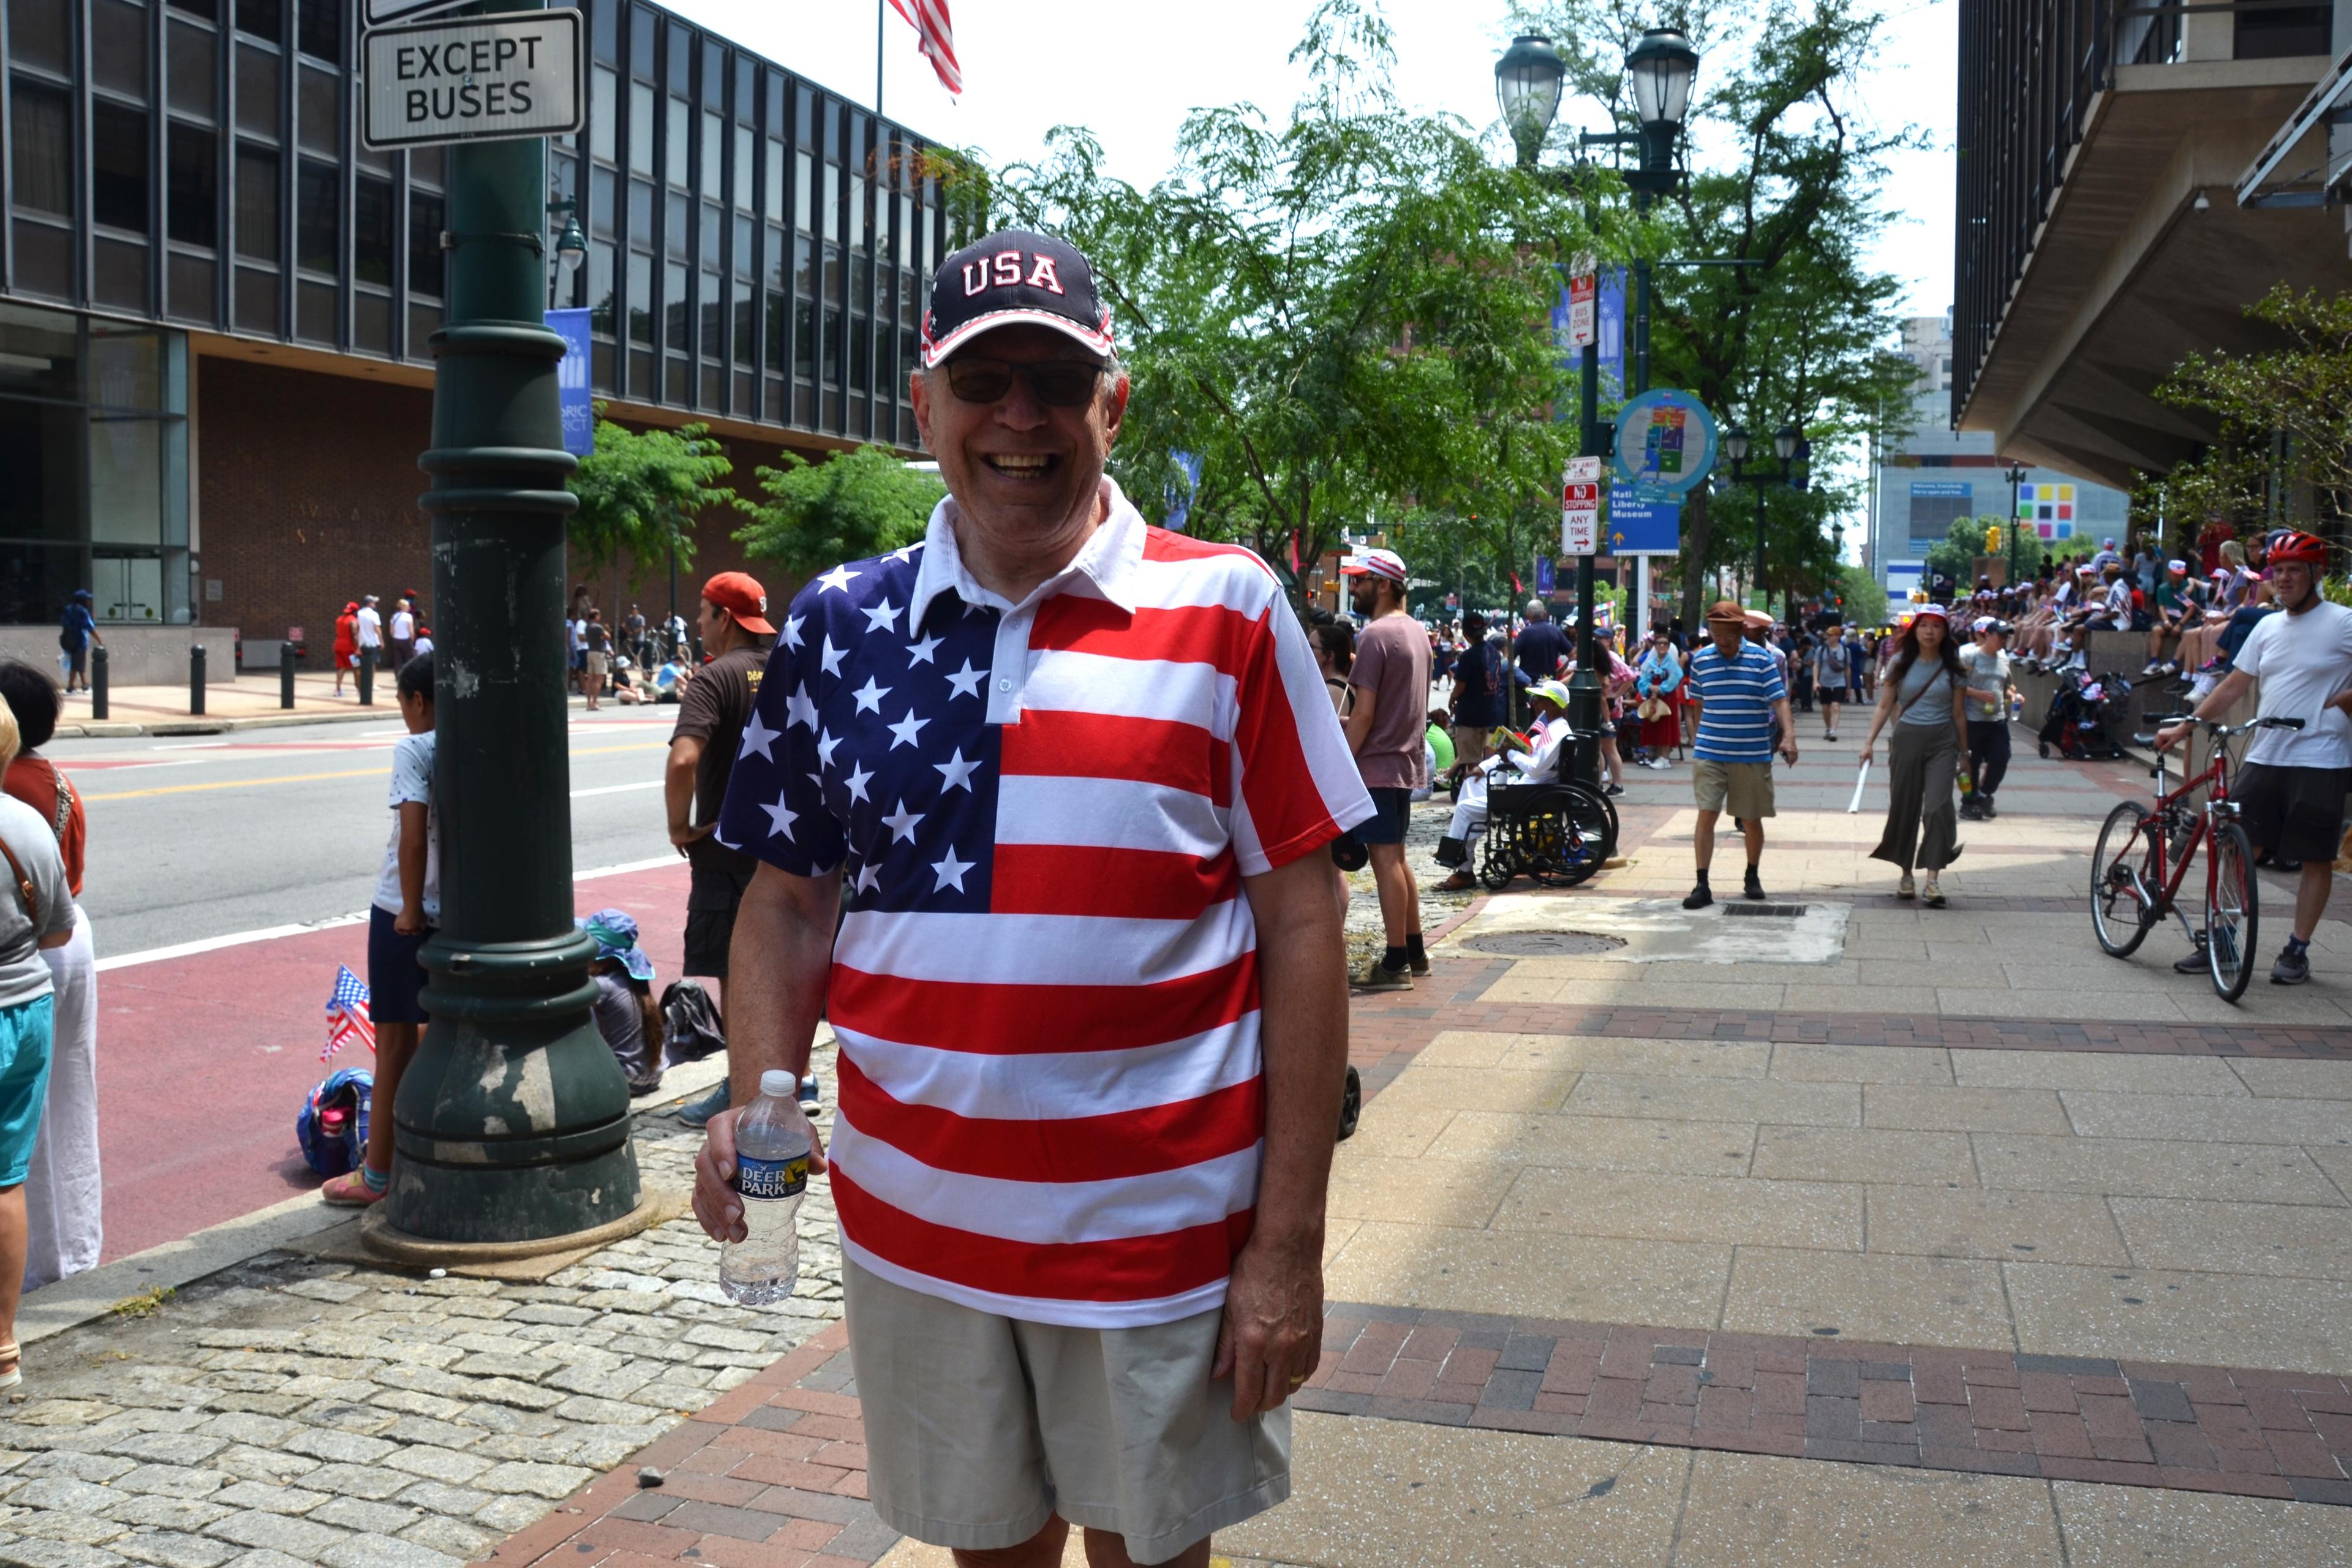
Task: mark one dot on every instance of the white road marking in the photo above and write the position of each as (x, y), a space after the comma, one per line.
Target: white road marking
(617, 789)
(271, 933)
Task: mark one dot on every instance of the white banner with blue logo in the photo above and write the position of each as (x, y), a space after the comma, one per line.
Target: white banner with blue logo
(572, 381)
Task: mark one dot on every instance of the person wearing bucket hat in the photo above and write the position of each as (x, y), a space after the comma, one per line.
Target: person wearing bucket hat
(1738, 688)
(1027, 797)
(1538, 763)
(625, 1014)
(1390, 678)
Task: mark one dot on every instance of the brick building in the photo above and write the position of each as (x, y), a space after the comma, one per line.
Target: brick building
(215, 303)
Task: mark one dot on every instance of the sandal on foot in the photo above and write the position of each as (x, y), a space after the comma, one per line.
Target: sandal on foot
(12, 1371)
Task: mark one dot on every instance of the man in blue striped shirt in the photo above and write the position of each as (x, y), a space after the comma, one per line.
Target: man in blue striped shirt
(1740, 694)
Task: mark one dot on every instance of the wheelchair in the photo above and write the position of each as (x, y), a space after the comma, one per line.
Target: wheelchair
(1555, 833)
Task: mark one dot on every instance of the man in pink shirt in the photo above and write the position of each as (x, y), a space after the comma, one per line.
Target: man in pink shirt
(1391, 676)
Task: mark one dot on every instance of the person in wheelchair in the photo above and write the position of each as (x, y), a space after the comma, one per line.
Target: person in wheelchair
(1538, 762)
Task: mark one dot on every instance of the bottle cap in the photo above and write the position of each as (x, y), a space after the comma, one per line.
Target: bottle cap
(779, 1084)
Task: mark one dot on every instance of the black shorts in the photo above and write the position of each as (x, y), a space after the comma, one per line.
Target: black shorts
(1392, 809)
(711, 900)
(395, 978)
(2296, 814)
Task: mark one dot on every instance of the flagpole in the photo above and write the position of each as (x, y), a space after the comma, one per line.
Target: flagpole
(877, 59)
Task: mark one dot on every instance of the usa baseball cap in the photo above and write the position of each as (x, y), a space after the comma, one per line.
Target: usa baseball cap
(1385, 564)
(1015, 277)
(740, 595)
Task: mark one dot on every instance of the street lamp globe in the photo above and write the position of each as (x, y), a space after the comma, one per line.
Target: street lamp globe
(570, 247)
(1663, 65)
(1784, 442)
(1735, 443)
(1527, 90)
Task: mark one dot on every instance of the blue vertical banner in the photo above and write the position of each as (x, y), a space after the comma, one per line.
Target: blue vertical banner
(572, 381)
(1611, 332)
(1543, 575)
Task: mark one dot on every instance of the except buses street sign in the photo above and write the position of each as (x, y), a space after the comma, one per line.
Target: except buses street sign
(479, 79)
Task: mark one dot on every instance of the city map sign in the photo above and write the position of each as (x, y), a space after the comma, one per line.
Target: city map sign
(479, 79)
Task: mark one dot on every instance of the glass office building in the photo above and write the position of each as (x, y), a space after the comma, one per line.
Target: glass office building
(185, 188)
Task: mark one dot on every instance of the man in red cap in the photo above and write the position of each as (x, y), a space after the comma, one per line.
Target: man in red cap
(712, 714)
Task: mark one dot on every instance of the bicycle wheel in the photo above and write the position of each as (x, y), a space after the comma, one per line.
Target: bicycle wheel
(2231, 907)
(2124, 882)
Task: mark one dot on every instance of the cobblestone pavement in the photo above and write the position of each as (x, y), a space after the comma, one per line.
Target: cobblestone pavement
(293, 1411)
(1365, 939)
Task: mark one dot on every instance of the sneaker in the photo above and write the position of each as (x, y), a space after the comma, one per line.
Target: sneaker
(1906, 887)
(1613, 789)
(350, 1191)
(1934, 893)
(1986, 809)
(2293, 967)
(1970, 811)
(1753, 887)
(809, 1096)
(1700, 898)
(1828, 734)
(1377, 976)
(2196, 963)
(699, 1112)
(2153, 666)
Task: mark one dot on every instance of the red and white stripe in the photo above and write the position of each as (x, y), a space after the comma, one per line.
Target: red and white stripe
(1055, 1109)
(930, 18)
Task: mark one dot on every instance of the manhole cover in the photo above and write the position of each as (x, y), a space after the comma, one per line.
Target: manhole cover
(1781, 911)
(1543, 944)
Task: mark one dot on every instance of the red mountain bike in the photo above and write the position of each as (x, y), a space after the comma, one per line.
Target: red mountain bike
(2143, 858)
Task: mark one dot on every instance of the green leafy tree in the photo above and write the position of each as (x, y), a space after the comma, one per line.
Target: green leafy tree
(1865, 600)
(639, 492)
(1798, 330)
(1337, 313)
(851, 505)
(2284, 419)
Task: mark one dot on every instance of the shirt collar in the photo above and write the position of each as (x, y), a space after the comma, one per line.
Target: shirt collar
(1108, 562)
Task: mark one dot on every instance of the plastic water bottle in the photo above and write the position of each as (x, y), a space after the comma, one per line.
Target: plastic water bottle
(771, 1164)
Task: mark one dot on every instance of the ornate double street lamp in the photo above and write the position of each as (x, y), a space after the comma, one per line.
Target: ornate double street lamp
(1785, 442)
(1527, 79)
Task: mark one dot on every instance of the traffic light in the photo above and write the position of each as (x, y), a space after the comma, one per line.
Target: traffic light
(1992, 539)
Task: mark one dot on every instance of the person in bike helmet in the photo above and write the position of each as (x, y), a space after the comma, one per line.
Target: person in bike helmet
(2290, 793)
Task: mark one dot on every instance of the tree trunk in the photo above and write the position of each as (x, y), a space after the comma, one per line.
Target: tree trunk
(1698, 535)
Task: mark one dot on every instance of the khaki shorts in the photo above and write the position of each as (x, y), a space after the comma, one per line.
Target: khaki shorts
(1744, 789)
(979, 1428)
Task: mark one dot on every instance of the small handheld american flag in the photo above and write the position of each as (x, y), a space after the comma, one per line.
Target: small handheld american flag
(347, 1014)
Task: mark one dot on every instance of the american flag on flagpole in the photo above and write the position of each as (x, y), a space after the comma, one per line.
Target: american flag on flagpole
(347, 1014)
(930, 18)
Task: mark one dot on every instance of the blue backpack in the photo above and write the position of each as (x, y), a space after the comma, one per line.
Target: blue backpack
(332, 1125)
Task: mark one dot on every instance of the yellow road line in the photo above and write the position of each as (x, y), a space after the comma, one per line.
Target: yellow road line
(310, 778)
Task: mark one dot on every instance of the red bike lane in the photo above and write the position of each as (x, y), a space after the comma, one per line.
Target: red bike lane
(203, 1060)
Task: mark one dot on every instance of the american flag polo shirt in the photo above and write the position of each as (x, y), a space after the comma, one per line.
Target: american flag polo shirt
(1046, 982)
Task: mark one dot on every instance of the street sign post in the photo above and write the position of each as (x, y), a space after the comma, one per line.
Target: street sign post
(1580, 515)
(478, 79)
(1582, 287)
(379, 13)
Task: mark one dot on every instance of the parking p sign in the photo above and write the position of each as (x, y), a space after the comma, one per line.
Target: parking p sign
(478, 79)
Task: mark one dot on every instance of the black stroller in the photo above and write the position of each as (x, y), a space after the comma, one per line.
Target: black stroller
(2082, 714)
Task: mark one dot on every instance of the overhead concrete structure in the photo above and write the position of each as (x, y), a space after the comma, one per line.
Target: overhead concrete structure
(2099, 240)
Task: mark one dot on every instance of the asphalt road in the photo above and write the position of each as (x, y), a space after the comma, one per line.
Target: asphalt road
(195, 839)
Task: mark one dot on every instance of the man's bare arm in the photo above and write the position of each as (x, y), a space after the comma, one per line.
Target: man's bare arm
(1273, 1332)
(776, 987)
(678, 790)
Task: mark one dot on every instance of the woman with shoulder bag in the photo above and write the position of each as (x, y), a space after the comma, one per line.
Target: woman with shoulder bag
(64, 1207)
(1922, 697)
(36, 913)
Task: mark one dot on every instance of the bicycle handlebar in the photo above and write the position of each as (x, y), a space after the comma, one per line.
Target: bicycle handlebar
(2215, 725)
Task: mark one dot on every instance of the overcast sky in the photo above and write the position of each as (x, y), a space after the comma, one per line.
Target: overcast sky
(1130, 72)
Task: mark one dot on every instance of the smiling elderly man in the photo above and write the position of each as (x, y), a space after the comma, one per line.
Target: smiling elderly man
(1089, 985)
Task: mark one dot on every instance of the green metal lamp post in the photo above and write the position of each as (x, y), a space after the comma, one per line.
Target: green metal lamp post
(513, 1123)
(2016, 477)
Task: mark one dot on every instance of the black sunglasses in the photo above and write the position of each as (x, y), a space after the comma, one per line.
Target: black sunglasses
(1056, 384)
